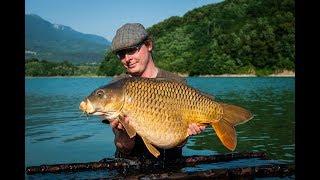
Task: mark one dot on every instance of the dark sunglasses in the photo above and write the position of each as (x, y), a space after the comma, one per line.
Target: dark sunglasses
(130, 51)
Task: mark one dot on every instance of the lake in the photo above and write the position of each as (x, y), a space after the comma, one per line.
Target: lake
(56, 131)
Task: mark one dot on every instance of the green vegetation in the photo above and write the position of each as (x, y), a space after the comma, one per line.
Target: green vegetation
(86, 70)
(234, 36)
(231, 37)
(35, 67)
(110, 66)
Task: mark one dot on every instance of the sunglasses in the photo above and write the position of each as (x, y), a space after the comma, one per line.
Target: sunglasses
(130, 51)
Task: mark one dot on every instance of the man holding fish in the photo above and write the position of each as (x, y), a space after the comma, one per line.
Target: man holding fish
(133, 46)
(156, 110)
(161, 111)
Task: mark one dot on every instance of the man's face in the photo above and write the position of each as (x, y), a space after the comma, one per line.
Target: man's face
(135, 59)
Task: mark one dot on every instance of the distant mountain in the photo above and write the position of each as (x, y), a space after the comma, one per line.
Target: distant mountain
(54, 42)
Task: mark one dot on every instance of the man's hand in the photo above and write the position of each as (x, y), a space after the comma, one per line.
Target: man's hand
(194, 129)
(122, 141)
(114, 123)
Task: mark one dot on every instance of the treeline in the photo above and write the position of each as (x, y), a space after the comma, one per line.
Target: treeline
(36, 67)
(234, 36)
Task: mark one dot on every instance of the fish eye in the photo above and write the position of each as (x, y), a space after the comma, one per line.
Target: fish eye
(100, 92)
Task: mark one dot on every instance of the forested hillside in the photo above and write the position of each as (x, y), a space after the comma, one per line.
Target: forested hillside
(234, 36)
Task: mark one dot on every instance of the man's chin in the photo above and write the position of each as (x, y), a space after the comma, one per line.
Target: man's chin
(134, 72)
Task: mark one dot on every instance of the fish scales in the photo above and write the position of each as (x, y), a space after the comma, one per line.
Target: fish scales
(166, 109)
(161, 110)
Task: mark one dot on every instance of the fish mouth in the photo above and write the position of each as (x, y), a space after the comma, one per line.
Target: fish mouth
(88, 108)
(83, 106)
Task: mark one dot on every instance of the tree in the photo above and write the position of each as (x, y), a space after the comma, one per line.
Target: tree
(110, 66)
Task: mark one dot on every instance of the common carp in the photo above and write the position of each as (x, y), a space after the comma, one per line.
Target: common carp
(160, 111)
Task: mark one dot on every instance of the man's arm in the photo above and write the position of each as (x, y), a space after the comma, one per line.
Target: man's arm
(123, 142)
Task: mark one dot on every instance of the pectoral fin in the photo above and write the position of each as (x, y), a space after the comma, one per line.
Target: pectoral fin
(226, 133)
(131, 132)
(151, 148)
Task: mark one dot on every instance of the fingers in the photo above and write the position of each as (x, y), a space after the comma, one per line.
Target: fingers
(120, 126)
(194, 129)
(202, 128)
(116, 124)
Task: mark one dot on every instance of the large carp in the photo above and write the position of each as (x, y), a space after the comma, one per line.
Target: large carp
(160, 111)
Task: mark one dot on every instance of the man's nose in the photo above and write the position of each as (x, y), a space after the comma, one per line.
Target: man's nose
(127, 57)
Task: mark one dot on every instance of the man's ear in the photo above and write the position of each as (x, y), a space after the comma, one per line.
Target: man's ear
(149, 45)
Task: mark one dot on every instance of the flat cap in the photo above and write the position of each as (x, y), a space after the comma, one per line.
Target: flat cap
(128, 35)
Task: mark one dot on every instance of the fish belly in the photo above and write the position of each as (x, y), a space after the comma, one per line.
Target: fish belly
(161, 111)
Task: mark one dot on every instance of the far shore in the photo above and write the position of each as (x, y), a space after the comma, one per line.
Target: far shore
(248, 75)
(284, 73)
(221, 75)
(69, 76)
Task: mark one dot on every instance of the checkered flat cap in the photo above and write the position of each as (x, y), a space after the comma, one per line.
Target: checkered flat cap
(128, 35)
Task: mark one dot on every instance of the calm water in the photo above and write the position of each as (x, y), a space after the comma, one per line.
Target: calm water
(57, 132)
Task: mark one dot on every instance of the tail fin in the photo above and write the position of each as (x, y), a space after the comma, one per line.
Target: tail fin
(232, 116)
(235, 115)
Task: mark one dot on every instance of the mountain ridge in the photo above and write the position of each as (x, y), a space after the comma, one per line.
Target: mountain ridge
(56, 42)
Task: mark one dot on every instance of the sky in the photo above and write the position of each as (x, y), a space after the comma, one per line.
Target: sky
(104, 17)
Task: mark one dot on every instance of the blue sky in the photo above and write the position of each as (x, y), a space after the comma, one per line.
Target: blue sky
(104, 17)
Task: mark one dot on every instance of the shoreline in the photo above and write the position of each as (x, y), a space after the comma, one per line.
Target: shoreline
(284, 73)
(221, 75)
(248, 75)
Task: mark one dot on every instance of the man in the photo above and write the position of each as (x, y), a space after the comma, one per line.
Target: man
(133, 46)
